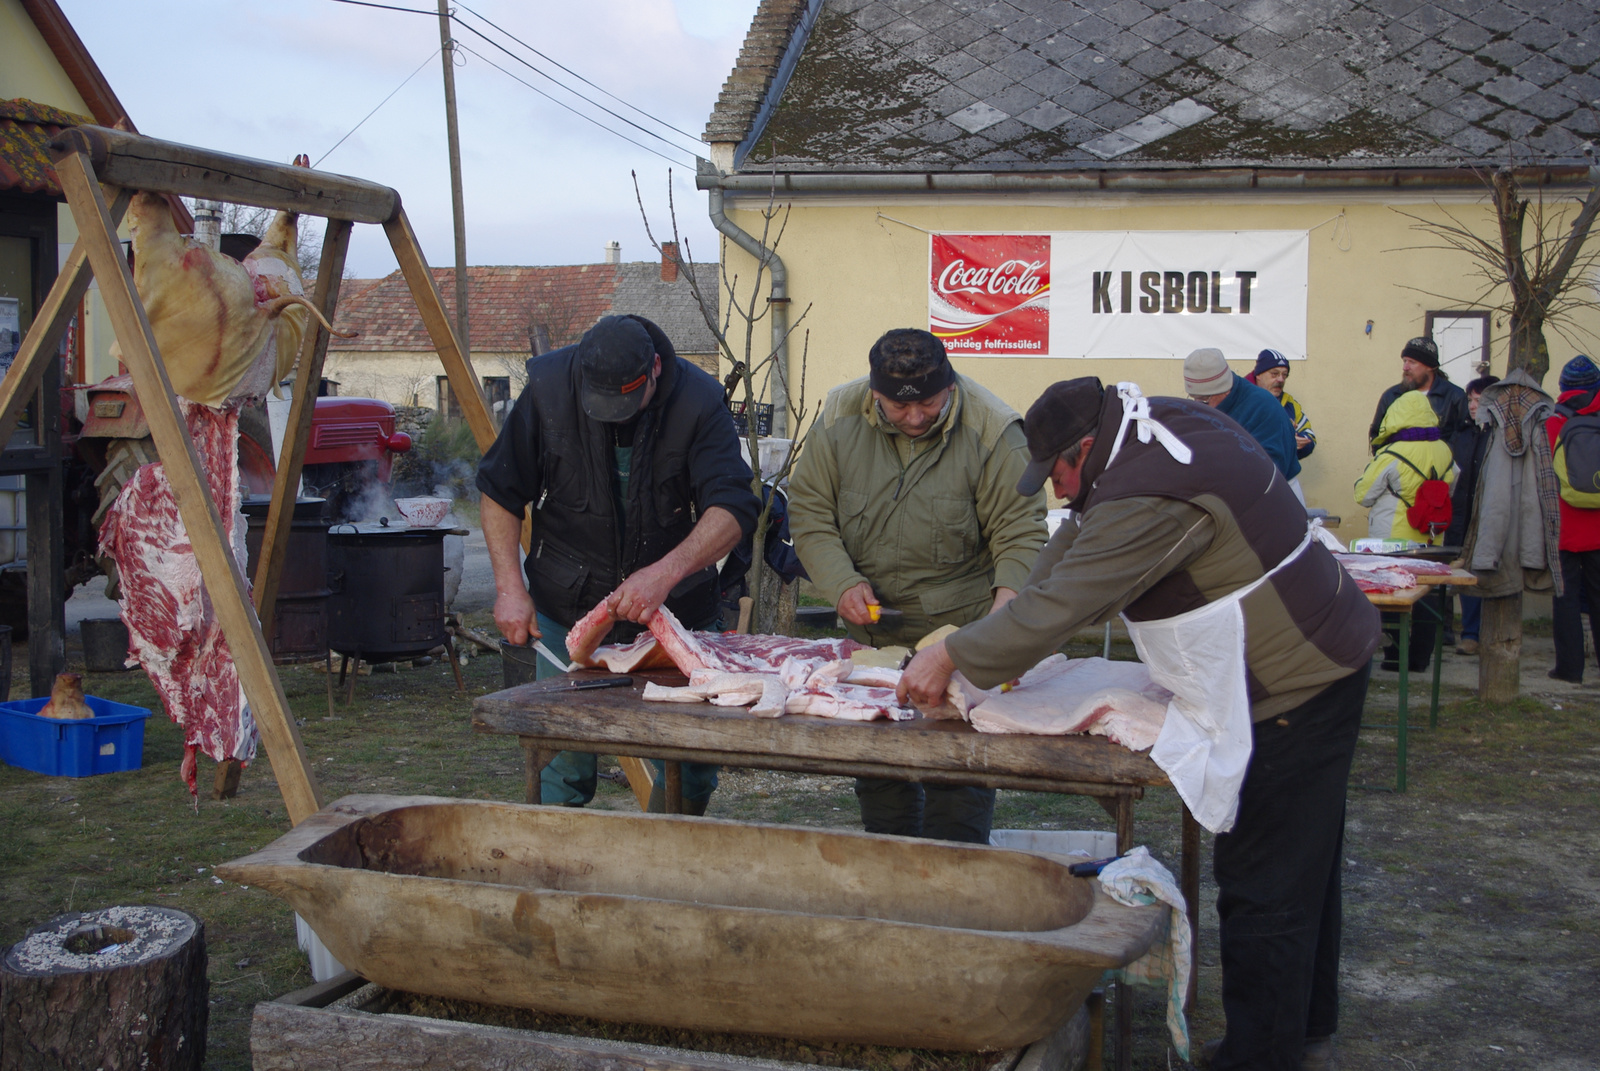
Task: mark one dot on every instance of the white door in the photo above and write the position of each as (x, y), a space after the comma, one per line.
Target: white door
(1462, 342)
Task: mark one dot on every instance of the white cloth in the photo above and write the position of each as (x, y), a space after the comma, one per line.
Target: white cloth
(1137, 879)
(1136, 411)
(1205, 742)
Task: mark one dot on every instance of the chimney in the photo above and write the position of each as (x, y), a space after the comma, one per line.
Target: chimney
(208, 223)
(669, 262)
(613, 252)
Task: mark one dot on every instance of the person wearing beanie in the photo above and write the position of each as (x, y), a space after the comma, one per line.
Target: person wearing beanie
(904, 498)
(1271, 373)
(1580, 531)
(1419, 370)
(628, 456)
(1469, 446)
(1207, 378)
(1178, 531)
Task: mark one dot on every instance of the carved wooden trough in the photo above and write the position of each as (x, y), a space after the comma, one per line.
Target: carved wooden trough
(702, 924)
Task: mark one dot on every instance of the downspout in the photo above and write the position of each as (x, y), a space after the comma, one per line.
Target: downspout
(777, 299)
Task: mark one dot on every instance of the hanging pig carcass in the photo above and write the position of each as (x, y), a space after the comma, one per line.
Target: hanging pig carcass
(227, 331)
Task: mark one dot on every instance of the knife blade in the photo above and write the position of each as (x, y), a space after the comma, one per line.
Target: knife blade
(886, 615)
(550, 656)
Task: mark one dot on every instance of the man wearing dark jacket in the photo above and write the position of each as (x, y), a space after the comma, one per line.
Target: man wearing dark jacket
(631, 463)
(1467, 447)
(1184, 528)
(1419, 370)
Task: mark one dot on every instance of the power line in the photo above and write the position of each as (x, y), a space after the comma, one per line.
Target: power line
(570, 108)
(382, 102)
(594, 103)
(575, 74)
(692, 153)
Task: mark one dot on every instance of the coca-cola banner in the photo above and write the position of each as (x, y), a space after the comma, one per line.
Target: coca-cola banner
(1115, 294)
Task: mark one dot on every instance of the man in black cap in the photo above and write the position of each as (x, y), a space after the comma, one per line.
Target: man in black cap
(1419, 370)
(1185, 529)
(631, 463)
(902, 500)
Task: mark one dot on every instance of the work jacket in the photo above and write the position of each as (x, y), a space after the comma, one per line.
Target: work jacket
(685, 459)
(1156, 538)
(934, 525)
(1397, 470)
(1259, 413)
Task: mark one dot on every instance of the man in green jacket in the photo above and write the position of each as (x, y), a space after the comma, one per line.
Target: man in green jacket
(904, 498)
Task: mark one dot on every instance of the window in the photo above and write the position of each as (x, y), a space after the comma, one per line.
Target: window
(448, 408)
(1463, 341)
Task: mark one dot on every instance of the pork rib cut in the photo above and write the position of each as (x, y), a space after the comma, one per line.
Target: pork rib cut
(173, 630)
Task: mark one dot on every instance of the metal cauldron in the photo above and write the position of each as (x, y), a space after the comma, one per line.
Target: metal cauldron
(300, 616)
(388, 591)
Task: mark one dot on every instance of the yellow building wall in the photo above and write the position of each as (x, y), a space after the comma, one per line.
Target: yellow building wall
(29, 69)
(861, 274)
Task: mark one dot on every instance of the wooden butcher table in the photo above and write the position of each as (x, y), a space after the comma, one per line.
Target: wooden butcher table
(549, 716)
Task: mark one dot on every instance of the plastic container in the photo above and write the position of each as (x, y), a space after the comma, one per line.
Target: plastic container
(1093, 843)
(109, 742)
(323, 965)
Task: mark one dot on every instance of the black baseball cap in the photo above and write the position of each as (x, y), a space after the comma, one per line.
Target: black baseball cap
(615, 357)
(1063, 415)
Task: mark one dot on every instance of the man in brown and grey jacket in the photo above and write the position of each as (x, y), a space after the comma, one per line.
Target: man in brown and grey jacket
(1181, 515)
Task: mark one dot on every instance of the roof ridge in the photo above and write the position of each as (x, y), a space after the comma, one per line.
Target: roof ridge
(760, 57)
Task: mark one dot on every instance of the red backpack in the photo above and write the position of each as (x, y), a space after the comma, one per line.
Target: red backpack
(1430, 512)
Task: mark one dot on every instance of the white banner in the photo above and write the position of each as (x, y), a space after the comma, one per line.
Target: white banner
(1120, 294)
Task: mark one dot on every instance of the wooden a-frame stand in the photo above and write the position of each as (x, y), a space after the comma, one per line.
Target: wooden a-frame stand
(97, 167)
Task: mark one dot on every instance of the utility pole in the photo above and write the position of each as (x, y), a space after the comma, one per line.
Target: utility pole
(447, 51)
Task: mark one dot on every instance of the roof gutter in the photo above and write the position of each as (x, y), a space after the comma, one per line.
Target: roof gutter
(1142, 179)
(777, 300)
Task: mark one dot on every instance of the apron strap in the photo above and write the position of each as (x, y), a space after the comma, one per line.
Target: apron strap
(1136, 411)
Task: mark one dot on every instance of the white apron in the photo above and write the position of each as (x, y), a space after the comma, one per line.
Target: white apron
(1199, 656)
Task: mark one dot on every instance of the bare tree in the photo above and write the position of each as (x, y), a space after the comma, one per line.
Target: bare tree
(1532, 267)
(753, 371)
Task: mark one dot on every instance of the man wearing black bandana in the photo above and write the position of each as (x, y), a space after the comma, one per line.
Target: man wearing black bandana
(904, 498)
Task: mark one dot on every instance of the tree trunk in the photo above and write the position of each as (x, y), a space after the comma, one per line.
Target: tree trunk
(1529, 351)
(774, 612)
(122, 989)
(1500, 650)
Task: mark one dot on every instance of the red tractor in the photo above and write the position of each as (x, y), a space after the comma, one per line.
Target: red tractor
(350, 456)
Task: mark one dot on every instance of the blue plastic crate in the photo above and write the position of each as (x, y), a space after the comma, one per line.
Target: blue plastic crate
(110, 741)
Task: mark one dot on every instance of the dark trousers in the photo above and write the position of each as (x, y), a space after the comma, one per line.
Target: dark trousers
(1580, 572)
(1278, 880)
(938, 812)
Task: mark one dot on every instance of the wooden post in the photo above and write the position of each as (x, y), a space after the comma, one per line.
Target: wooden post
(463, 382)
(313, 351)
(210, 540)
(59, 307)
(1500, 650)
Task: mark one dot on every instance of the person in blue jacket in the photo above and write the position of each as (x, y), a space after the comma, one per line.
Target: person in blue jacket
(1208, 379)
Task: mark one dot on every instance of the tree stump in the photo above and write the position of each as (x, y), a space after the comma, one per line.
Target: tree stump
(121, 989)
(1500, 650)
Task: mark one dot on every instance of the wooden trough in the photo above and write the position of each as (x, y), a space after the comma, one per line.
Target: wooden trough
(702, 924)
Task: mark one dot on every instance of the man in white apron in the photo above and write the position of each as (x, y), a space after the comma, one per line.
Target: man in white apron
(1187, 528)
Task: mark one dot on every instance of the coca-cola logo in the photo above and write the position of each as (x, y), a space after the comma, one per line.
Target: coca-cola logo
(989, 293)
(1012, 277)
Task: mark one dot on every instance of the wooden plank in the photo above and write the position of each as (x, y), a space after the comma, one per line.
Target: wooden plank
(140, 163)
(313, 351)
(463, 381)
(617, 717)
(223, 581)
(1403, 599)
(44, 336)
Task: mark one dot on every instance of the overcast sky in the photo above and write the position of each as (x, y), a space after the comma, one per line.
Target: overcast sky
(543, 186)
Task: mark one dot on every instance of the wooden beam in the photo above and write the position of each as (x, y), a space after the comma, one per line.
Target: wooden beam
(60, 306)
(142, 163)
(463, 382)
(313, 351)
(210, 540)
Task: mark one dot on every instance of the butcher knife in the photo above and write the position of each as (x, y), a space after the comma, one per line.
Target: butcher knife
(886, 615)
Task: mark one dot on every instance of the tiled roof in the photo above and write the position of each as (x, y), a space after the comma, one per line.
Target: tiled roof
(641, 291)
(506, 302)
(25, 130)
(1001, 85)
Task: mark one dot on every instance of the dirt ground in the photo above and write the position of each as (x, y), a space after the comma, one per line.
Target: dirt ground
(1471, 932)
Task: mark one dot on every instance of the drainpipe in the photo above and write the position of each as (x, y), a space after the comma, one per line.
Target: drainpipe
(778, 299)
